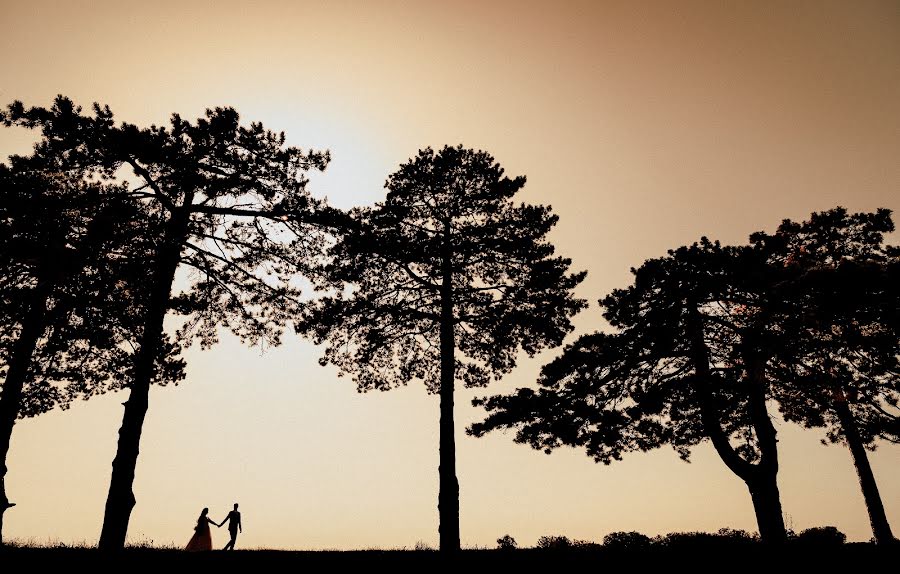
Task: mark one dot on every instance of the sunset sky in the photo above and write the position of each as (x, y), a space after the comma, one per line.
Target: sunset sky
(646, 125)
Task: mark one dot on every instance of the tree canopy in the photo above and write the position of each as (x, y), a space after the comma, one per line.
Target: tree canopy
(80, 246)
(842, 312)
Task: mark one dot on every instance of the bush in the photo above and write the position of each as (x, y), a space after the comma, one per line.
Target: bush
(507, 542)
(723, 538)
(681, 539)
(733, 535)
(554, 542)
(626, 541)
(822, 536)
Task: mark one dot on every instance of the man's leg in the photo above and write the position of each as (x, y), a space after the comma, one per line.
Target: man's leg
(230, 545)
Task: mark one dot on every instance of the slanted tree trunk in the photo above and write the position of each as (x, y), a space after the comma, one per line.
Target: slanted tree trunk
(448, 497)
(33, 326)
(761, 478)
(120, 499)
(877, 517)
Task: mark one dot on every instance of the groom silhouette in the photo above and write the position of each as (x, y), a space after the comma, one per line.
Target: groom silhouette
(234, 526)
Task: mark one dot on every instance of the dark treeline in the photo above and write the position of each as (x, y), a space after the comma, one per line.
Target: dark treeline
(445, 281)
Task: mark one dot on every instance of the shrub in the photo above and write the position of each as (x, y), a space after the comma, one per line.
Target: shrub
(822, 536)
(554, 542)
(733, 535)
(723, 538)
(507, 542)
(680, 539)
(626, 541)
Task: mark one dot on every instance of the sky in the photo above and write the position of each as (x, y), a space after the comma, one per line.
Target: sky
(645, 125)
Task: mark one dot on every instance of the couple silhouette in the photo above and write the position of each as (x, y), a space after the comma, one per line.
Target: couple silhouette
(202, 539)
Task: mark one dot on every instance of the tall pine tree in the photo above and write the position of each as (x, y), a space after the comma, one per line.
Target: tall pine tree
(449, 279)
(687, 364)
(72, 253)
(234, 212)
(840, 309)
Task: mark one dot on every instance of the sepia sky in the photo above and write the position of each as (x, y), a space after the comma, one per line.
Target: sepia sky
(644, 124)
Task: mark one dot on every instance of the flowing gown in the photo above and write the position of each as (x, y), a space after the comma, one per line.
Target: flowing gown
(202, 539)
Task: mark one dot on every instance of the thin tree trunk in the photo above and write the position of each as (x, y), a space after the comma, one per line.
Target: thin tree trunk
(448, 497)
(877, 517)
(33, 327)
(120, 500)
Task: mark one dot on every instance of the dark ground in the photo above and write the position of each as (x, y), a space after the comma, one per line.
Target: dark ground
(848, 558)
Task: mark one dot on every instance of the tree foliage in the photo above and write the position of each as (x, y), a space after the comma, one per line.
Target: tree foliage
(242, 190)
(841, 311)
(453, 210)
(638, 388)
(81, 246)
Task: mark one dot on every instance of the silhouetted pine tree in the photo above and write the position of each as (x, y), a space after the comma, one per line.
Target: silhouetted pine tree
(235, 212)
(72, 254)
(686, 365)
(840, 310)
(448, 279)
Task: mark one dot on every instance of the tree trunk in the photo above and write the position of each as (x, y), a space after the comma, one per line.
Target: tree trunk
(33, 327)
(761, 478)
(764, 482)
(877, 517)
(64, 262)
(448, 497)
(767, 506)
(120, 499)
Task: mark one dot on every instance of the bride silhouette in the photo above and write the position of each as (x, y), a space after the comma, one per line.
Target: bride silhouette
(202, 539)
